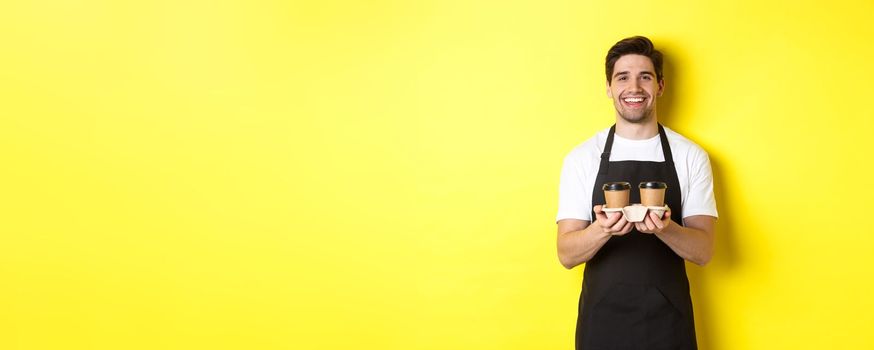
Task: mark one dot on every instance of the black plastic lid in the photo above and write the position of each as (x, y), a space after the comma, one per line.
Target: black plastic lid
(653, 185)
(616, 186)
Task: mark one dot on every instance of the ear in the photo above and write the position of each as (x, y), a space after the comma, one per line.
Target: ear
(609, 92)
(661, 87)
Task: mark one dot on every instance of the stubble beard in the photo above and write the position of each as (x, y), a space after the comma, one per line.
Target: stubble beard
(641, 117)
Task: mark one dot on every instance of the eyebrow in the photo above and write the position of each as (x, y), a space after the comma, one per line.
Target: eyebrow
(625, 72)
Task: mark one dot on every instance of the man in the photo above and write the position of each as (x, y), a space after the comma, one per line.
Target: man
(635, 292)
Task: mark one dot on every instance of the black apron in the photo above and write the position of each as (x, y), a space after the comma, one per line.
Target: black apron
(635, 291)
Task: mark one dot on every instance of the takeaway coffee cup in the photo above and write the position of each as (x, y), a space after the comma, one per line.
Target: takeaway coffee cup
(652, 193)
(616, 194)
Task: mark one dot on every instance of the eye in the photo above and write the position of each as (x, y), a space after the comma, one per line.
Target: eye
(647, 77)
(622, 78)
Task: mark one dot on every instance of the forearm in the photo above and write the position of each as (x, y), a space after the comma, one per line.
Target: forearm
(577, 247)
(692, 244)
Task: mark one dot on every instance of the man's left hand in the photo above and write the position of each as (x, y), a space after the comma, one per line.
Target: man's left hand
(653, 224)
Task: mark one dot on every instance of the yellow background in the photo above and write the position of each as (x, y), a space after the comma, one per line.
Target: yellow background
(384, 174)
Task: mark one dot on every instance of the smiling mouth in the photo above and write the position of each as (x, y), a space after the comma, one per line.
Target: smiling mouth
(634, 101)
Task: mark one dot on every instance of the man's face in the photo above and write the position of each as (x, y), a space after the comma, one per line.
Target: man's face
(634, 88)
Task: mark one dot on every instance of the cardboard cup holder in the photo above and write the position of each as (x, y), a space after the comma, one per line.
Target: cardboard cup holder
(636, 212)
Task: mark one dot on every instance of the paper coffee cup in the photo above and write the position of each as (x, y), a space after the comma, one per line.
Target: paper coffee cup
(652, 193)
(616, 194)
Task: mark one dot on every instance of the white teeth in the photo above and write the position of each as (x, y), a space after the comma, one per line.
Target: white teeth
(634, 99)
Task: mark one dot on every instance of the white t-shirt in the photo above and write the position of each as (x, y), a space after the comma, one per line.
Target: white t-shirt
(581, 168)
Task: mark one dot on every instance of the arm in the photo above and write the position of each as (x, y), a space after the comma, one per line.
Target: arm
(694, 242)
(578, 241)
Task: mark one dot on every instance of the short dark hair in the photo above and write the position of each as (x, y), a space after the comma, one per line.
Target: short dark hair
(636, 45)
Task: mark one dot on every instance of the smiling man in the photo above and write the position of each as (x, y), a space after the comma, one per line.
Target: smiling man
(635, 292)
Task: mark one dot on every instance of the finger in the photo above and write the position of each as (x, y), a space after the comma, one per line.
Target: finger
(611, 219)
(624, 229)
(599, 213)
(656, 220)
(640, 226)
(649, 225)
(601, 217)
(620, 224)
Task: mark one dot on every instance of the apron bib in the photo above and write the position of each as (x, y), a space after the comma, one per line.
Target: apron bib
(635, 291)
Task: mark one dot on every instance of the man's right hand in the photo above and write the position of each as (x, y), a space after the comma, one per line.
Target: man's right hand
(613, 224)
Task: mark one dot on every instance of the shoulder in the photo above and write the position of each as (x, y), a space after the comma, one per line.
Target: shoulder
(684, 148)
(588, 150)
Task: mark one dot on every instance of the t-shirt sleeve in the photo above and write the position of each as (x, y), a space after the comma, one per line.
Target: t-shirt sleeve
(700, 200)
(574, 199)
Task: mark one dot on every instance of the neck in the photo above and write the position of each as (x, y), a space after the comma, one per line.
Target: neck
(637, 131)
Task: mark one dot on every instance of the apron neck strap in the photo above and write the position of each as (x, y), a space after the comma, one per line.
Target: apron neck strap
(666, 147)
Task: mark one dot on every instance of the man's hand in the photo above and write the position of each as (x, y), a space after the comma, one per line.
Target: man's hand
(578, 241)
(652, 223)
(611, 223)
